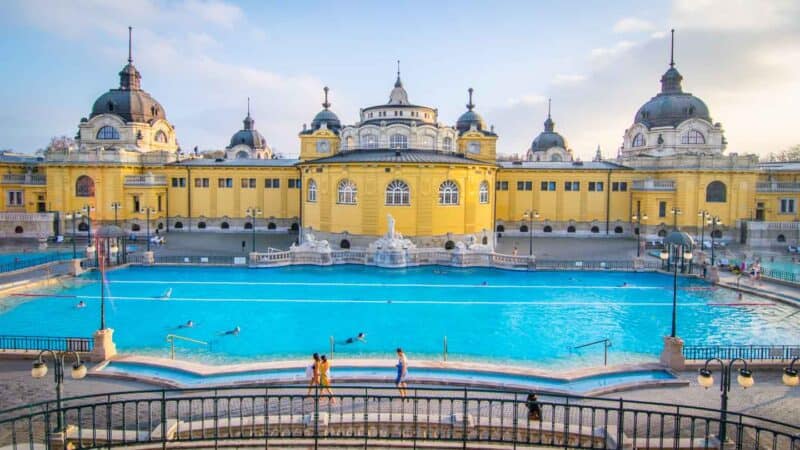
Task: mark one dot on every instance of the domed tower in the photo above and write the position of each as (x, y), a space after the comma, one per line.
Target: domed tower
(549, 145)
(248, 143)
(128, 120)
(474, 139)
(322, 138)
(673, 122)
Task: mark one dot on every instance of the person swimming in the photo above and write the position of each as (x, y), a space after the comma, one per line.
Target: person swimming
(166, 295)
(233, 332)
(624, 284)
(80, 305)
(188, 324)
(485, 283)
(360, 338)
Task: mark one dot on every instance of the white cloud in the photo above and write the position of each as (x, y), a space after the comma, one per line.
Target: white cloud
(632, 25)
(734, 15)
(613, 51)
(562, 79)
(216, 12)
(528, 99)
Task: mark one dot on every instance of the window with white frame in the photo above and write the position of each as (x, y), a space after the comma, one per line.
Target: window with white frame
(483, 192)
(787, 206)
(346, 193)
(448, 193)
(398, 141)
(323, 146)
(108, 133)
(693, 137)
(638, 140)
(369, 141)
(447, 144)
(474, 147)
(397, 193)
(15, 198)
(312, 191)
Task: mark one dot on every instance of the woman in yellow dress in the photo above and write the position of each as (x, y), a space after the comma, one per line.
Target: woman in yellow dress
(325, 377)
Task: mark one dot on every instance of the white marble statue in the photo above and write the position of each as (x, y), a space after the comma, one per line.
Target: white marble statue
(390, 220)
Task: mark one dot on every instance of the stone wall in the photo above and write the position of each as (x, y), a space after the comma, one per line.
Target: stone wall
(26, 225)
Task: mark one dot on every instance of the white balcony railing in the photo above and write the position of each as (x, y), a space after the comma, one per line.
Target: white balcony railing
(775, 186)
(653, 185)
(146, 180)
(25, 178)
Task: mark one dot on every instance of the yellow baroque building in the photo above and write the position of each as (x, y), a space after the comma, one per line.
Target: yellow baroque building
(440, 183)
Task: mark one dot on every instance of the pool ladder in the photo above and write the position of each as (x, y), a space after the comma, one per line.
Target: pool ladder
(606, 344)
(171, 339)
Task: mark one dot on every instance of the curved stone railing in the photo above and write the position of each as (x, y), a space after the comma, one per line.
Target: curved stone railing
(261, 416)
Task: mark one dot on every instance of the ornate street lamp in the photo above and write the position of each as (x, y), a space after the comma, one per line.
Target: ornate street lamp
(90, 249)
(530, 215)
(116, 206)
(147, 211)
(704, 215)
(675, 212)
(638, 217)
(790, 377)
(714, 222)
(681, 245)
(706, 379)
(39, 370)
(252, 213)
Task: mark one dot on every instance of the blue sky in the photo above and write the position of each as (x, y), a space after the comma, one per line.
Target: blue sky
(598, 60)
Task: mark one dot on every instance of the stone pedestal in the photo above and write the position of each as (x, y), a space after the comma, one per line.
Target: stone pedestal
(638, 263)
(712, 274)
(532, 262)
(75, 268)
(149, 259)
(672, 354)
(58, 441)
(253, 258)
(104, 347)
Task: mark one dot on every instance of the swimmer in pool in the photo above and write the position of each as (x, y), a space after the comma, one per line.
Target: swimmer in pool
(188, 324)
(624, 284)
(80, 305)
(360, 338)
(166, 295)
(485, 283)
(233, 332)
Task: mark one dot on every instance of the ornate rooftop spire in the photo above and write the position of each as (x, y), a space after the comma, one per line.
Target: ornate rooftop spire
(470, 105)
(672, 49)
(248, 121)
(398, 96)
(326, 104)
(398, 83)
(130, 46)
(129, 77)
(549, 125)
(671, 80)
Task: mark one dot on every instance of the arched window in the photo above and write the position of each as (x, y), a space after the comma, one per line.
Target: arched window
(397, 193)
(369, 141)
(108, 132)
(595, 229)
(523, 229)
(178, 225)
(449, 245)
(161, 137)
(312, 191)
(398, 141)
(618, 230)
(693, 137)
(84, 186)
(781, 238)
(447, 144)
(136, 227)
(501, 228)
(716, 234)
(638, 140)
(344, 244)
(242, 155)
(346, 193)
(248, 226)
(571, 229)
(483, 192)
(201, 225)
(662, 233)
(716, 192)
(271, 226)
(548, 229)
(83, 226)
(448, 193)
(18, 229)
(555, 157)
(225, 225)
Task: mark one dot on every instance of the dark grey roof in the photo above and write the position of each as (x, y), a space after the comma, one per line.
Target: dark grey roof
(248, 135)
(327, 117)
(671, 106)
(548, 138)
(563, 165)
(129, 101)
(397, 156)
(205, 162)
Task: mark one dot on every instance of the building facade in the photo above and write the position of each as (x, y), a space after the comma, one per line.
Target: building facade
(439, 182)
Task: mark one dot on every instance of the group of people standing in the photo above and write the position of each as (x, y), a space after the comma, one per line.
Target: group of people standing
(319, 374)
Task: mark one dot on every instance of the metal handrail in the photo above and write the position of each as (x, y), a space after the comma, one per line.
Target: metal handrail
(606, 344)
(171, 339)
(373, 414)
(37, 343)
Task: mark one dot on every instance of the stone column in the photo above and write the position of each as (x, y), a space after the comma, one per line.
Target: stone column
(532, 262)
(638, 263)
(104, 347)
(672, 354)
(253, 258)
(149, 259)
(75, 268)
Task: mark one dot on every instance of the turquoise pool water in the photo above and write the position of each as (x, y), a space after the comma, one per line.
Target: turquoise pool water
(527, 317)
(26, 256)
(415, 375)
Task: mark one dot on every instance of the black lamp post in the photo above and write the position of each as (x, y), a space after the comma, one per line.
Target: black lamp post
(116, 206)
(88, 210)
(530, 215)
(745, 380)
(147, 212)
(675, 213)
(39, 370)
(680, 244)
(704, 215)
(714, 221)
(638, 217)
(252, 213)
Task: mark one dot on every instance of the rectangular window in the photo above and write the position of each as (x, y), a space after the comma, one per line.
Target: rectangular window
(548, 185)
(619, 186)
(787, 206)
(522, 185)
(595, 186)
(178, 182)
(15, 198)
(291, 183)
(662, 209)
(572, 186)
(248, 183)
(501, 185)
(225, 182)
(201, 182)
(294, 183)
(273, 183)
(136, 205)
